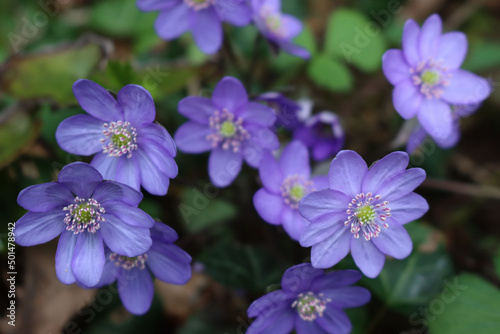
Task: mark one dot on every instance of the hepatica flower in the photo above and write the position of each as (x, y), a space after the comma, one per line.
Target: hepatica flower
(129, 147)
(285, 183)
(363, 211)
(280, 29)
(427, 76)
(310, 301)
(203, 18)
(285, 109)
(164, 260)
(229, 126)
(87, 213)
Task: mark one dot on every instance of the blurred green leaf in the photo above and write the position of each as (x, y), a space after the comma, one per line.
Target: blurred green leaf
(329, 73)
(51, 119)
(470, 305)
(359, 319)
(496, 262)
(483, 56)
(352, 37)
(286, 62)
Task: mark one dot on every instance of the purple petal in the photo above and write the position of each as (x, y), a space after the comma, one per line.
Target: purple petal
(174, 21)
(163, 233)
(322, 202)
(347, 172)
(110, 271)
(196, 108)
(295, 160)
(322, 228)
(270, 173)
(293, 223)
(136, 290)
(161, 158)
(114, 191)
(207, 30)
(407, 99)
(106, 165)
(45, 197)
(151, 5)
(335, 321)
(279, 321)
(394, 241)
(416, 138)
(262, 138)
(384, 170)
(253, 152)
(80, 134)
(349, 296)
(308, 327)
(402, 184)
(330, 251)
(320, 182)
(152, 179)
(294, 50)
(237, 13)
(97, 101)
(64, 256)
(452, 139)
(129, 214)
(88, 258)
(224, 166)
(408, 208)
(137, 105)
(158, 134)
(436, 118)
(395, 67)
(269, 206)
(230, 93)
(127, 172)
(257, 114)
(191, 137)
(269, 302)
(429, 36)
(466, 88)
(335, 279)
(123, 238)
(80, 178)
(291, 25)
(298, 278)
(169, 263)
(452, 49)
(367, 257)
(411, 32)
(36, 228)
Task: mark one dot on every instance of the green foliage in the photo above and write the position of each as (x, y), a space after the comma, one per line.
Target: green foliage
(330, 73)
(483, 56)
(496, 262)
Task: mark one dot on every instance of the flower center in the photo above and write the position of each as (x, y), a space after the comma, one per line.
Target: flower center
(229, 133)
(199, 4)
(366, 213)
(273, 21)
(122, 139)
(431, 77)
(309, 306)
(294, 188)
(129, 262)
(84, 214)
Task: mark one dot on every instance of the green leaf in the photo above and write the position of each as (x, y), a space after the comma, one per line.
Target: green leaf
(51, 119)
(483, 56)
(330, 74)
(496, 262)
(468, 304)
(351, 36)
(285, 61)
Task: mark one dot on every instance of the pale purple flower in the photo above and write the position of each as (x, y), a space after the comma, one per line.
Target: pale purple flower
(427, 76)
(285, 109)
(279, 29)
(128, 146)
(285, 182)
(229, 126)
(363, 211)
(203, 18)
(87, 213)
(166, 261)
(310, 301)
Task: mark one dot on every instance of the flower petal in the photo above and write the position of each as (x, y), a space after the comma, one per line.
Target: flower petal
(293, 223)
(88, 258)
(114, 191)
(163, 233)
(394, 241)
(161, 158)
(191, 137)
(348, 296)
(197, 108)
(322, 202)
(36, 228)
(436, 118)
(292, 25)
(466, 88)
(322, 228)
(123, 238)
(257, 114)
(402, 184)
(127, 172)
(151, 5)
(407, 99)
(174, 21)
(298, 278)
(137, 105)
(97, 101)
(307, 327)
(106, 165)
(237, 13)
(207, 30)
(152, 179)
(417, 137)
(395, 67)
(279, 320)
(320, 182)
(169, 263)
(269, 302)
(136, 290)
(45, 197)
(429, 36)
(129, 214)
(330, 251)
(384, 170)
(347, 172)
(411, 32)
(80, 134)
(270, 173)
(230, 93)
(452, 139)
(367, 257)
(408, 208)
(335, 279)
(269, 206)
(452, 49)
(157, 133)
(293, 49)
(335, 321)
(224, 166)
(80, 178)
(110, 271)
(295, 160)
(64, 256)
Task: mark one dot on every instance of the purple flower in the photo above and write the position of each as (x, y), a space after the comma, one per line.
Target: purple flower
(310, 301)
(280, 29)
(428, 79)
(228, 125)
(203, 18)
(87, 212)
(363, 211)
(129, 147)
(164, 260)
(285, 183)
(285, 109)
(322, 134)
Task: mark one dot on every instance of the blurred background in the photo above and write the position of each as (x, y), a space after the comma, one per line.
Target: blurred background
(449, 284)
